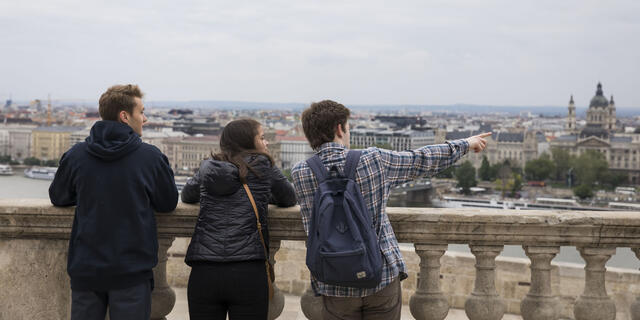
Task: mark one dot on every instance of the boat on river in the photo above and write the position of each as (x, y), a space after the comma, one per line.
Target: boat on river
(42, 173)
(6, 170)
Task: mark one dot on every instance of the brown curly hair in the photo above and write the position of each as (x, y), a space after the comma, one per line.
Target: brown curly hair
(320, 120)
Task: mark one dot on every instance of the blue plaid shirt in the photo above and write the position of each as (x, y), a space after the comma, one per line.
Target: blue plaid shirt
(378, 171)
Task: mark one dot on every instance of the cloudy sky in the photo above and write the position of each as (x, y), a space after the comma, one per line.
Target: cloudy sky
(356, 52)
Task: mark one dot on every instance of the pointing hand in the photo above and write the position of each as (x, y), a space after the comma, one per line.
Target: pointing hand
(478, 143)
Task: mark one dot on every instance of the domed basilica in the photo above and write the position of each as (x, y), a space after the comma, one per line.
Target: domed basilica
(621, 150)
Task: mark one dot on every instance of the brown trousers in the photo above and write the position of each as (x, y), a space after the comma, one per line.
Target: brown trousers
(385, 304)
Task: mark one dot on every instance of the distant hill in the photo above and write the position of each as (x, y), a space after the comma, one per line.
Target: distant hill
(391, 108)
(456, 108)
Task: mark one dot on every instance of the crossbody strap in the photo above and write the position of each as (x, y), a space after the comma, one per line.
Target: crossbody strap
(264, 246)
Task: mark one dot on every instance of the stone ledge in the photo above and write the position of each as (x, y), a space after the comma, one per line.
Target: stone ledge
(37, 218)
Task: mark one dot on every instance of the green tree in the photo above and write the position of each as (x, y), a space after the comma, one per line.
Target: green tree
(563, 162)
(516, 185)
(466, 176)
(485, 169)
(287, 173)
(504, 173)
(583, 191)
(32, 161)
(615, 179)
(510, 185)
(51, 163)
(5, 159)
(446, 173)
(590, 167)
(539, 169)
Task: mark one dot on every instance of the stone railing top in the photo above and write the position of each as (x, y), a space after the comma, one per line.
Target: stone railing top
(37, 218)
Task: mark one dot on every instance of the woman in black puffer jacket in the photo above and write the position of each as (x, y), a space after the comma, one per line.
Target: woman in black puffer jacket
(226, 253)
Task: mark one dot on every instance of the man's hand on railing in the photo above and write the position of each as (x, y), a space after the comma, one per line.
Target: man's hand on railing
(478, 143)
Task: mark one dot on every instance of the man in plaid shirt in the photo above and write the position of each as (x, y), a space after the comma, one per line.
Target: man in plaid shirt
(326, 127)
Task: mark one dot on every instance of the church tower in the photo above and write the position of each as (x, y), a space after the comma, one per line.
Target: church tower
(571, 120)
(612, 115)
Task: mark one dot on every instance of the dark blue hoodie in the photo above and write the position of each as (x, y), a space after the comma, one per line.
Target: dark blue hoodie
(116, 183)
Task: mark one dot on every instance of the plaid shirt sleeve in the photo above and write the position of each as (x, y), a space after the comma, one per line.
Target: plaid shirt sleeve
(401, 167)
(304, 186)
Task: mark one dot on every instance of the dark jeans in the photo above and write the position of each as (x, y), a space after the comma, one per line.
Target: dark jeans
(239, 288)
(132, 303)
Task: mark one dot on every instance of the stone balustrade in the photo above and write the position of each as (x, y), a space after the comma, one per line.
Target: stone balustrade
(34, 235)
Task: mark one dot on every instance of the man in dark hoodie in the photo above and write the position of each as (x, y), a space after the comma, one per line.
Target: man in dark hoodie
(116, 183)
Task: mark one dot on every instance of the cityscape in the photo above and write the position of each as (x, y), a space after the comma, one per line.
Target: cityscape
(542, 223)
(586, 160)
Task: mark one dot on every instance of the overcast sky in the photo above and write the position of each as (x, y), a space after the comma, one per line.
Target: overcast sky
(355, 52)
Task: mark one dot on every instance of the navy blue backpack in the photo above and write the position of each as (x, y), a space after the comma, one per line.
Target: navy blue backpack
(342, 246)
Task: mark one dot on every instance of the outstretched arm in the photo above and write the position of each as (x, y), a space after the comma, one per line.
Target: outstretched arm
(401, 167)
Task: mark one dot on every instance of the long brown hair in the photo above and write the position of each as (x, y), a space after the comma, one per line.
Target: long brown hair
(238, 141)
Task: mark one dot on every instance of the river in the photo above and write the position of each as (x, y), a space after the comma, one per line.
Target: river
(18, 186)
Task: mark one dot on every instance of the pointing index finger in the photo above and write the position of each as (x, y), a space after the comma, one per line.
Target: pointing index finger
(483, 135)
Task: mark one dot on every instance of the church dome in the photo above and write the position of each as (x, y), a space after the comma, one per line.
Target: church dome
(594, 130)
(599, 101)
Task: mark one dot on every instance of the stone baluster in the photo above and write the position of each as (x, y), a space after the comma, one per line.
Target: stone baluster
(163, 298)
(484, 303)
(540, 304)
(635, 306)
(594, 303)
(311, 305)
(276, 304)
(428, 302)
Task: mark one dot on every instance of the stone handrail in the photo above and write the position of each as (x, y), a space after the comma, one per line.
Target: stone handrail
(26, 223)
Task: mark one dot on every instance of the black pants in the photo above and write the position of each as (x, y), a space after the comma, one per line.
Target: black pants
(132, 303)
(239, 288)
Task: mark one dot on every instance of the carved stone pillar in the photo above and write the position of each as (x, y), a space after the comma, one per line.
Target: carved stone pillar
(276, 305)
(540, 304)
(594, 303)
(428, 302)
(635, 306)
(311, 305)
(163, 298)
(484, 303)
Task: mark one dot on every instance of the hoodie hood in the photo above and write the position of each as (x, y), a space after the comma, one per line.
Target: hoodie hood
(112, 140)
(222, 177)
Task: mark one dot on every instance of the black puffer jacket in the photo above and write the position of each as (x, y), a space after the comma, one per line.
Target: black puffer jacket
(226, 229)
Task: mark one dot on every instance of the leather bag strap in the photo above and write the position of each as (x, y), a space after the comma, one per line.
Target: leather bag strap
(264, 246)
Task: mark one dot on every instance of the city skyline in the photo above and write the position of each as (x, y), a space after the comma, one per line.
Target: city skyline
(357, 53)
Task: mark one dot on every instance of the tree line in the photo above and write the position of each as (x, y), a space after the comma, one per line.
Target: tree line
(31, 161)
(584, 173)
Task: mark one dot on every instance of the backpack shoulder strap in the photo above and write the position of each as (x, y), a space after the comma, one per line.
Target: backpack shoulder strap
(316, 165)
(353, 157)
